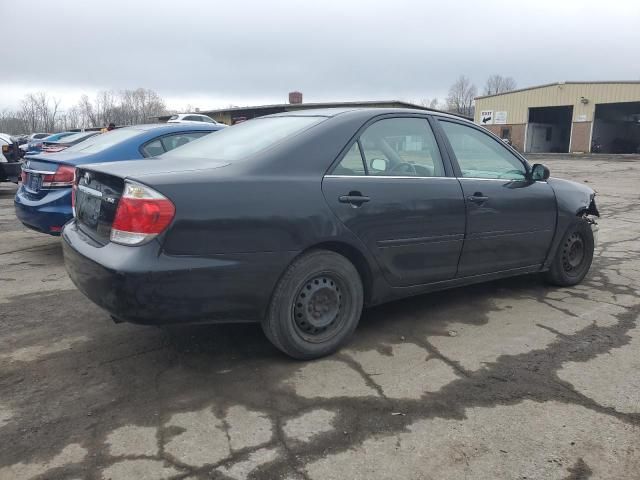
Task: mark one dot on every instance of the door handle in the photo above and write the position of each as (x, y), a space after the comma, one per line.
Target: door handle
(477, 198)
(354, 198)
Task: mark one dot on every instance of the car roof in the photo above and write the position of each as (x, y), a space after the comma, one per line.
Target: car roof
(176, 126)
(362, 111)
(185, 114)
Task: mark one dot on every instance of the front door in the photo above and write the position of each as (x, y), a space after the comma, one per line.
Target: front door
(391, 190)
(510, 219)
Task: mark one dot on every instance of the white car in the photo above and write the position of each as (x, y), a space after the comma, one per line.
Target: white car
(3, 141)
(189, 118)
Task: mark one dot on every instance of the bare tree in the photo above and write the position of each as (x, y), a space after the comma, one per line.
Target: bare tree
(11, 123)
(433, 103)
(461, 96)
(499, 84)
(40, 113)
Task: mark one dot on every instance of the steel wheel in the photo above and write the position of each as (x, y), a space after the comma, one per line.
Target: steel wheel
(316, 305)
(573, 256)
(573, 253)
(317, 311)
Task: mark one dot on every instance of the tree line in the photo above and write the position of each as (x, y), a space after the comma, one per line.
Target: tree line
(462, 93)
(39, 112)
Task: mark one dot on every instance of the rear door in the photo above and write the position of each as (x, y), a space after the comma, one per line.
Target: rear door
(510, 219)
(393, 189)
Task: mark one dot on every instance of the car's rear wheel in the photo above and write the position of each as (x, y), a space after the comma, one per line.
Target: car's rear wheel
(574, 255)
(316, 306)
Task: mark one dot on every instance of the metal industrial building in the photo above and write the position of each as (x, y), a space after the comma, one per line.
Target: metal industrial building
(233, 115)
(566, 117)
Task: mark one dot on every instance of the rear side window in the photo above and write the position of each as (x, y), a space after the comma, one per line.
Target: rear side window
(481, 156)
(153, 149)
(193, 118)
(351, 163)
(395, 147)
(245, 139)
(174, 141)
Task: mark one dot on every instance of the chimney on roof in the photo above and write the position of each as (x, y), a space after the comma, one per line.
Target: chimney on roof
(295, 97)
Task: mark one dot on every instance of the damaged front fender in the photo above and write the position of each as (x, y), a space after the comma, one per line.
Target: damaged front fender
(573, 200)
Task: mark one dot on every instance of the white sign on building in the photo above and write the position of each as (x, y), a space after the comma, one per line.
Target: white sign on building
(500, 118)
(486, 117)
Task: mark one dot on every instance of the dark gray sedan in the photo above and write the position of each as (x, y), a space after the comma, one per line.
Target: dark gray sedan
(298, 220)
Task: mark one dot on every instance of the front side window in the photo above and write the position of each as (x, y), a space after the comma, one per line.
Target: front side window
(481, 156)
(401, 147)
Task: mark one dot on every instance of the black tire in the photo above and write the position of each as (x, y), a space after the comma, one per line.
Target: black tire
(574, 255)
(315, 307)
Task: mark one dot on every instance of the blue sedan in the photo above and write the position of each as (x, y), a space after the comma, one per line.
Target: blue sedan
(43, 200)
(35, 145)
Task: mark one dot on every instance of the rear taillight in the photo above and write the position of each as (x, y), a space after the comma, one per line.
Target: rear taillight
(63, 177)
(141, 215)
(23, 176)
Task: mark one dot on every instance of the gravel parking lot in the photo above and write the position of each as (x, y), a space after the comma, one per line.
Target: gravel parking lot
(507, 380)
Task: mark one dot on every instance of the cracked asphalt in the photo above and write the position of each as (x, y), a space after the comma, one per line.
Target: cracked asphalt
(507, 380)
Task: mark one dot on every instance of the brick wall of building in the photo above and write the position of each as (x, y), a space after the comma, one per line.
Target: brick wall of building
(580, 137)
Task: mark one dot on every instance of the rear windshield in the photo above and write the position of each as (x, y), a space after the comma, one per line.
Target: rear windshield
(101, 142)
(245, 139)
(173, 117)
(75, 137)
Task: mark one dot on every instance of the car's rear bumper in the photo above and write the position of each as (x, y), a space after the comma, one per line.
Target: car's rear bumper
(10, 171)
(47, 213)
(143, 285)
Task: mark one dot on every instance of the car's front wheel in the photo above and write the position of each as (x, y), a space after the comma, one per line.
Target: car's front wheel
(316, 305)
(574, 255)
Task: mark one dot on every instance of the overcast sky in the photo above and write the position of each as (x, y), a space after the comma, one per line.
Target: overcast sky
(210, 54)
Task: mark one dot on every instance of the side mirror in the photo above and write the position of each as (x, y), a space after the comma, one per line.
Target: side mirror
(539, 172)
(378, 165)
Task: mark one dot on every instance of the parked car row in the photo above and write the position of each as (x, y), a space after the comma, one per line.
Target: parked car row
(43, 201)
(9, 158)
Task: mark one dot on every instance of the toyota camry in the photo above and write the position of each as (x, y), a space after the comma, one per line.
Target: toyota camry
(299, 220)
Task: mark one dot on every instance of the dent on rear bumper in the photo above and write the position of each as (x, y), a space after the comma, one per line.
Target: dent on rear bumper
(143, 285)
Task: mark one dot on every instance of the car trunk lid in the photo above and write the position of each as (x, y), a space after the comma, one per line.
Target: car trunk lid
(99, 188)
(96, 200)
